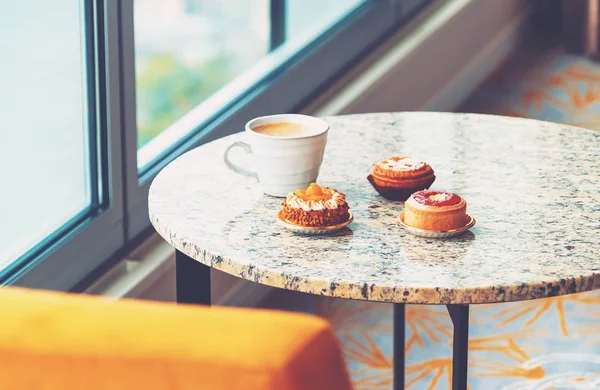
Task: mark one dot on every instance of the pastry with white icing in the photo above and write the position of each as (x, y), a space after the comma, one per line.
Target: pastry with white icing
(315, 206)
(396, 178)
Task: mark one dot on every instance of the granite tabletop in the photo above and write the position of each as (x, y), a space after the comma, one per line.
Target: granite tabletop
(534, 188)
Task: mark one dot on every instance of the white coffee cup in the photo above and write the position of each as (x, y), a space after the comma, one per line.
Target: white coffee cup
(283, 163)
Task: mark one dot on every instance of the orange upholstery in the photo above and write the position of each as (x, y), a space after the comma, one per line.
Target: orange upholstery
(66, 341)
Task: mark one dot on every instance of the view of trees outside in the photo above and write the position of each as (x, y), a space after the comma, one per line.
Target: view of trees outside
(186, 50)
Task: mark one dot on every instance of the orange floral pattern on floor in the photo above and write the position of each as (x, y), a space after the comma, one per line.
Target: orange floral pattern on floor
(544, 344)
(556, 87)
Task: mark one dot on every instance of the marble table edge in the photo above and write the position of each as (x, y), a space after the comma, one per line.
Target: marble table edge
(383, 294)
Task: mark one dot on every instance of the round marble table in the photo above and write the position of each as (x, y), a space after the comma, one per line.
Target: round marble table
(534, 188)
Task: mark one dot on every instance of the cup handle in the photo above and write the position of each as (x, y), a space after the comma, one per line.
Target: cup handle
(234, 167)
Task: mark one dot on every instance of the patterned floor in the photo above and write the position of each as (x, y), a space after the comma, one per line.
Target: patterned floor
(550, 344)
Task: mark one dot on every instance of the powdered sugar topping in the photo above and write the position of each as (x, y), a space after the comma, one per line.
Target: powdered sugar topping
(404, 164)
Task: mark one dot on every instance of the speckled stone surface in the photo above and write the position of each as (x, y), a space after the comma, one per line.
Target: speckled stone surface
(534, 188)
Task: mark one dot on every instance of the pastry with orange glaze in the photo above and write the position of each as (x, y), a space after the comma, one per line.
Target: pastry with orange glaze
(435, 210)
(315, 206)
(396, 178)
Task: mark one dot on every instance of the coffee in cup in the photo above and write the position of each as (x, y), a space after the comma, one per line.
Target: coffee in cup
(284, 129)
(287, 151)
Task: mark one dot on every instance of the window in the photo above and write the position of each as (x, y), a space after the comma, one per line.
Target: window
(56, 211)
(46, 128)
(98, 95)
(182, 57)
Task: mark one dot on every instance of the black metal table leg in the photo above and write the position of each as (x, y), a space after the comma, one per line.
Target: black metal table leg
(192, 280)
(460, 345)
(399, 337)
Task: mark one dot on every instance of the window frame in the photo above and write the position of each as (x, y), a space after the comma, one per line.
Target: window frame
(277, 23)
(84, 244)
(86, 249)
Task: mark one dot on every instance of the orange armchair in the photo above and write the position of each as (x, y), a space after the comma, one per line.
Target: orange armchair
(65, 341)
